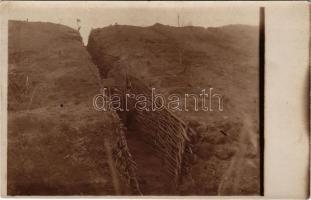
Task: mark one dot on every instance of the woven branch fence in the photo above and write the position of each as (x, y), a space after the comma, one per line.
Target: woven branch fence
(123, 160)
(163, 130)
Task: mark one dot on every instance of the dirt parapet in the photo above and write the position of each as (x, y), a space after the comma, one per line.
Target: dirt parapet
(55, 137)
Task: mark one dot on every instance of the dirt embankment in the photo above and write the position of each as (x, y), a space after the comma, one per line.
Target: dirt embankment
(55, 137)
(185, 60)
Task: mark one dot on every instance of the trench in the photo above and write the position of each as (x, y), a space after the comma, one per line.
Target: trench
(144, 166)
(151, 162)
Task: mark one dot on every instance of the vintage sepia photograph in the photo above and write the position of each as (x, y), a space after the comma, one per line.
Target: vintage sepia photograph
(139, 99)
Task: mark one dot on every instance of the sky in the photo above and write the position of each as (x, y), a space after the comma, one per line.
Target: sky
(101, 14)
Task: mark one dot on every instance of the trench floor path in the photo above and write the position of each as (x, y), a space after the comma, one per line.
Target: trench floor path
(150, 168)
